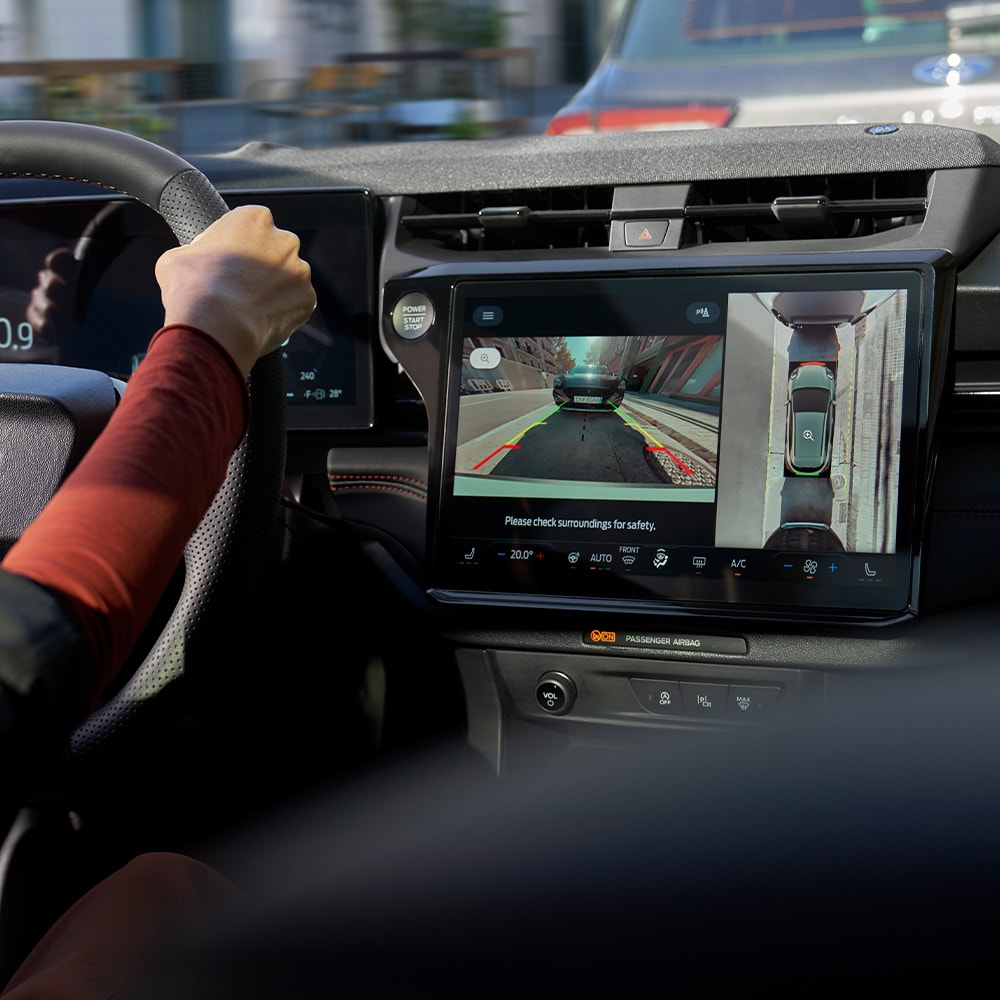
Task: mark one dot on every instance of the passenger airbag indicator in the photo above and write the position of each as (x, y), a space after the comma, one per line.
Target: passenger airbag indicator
(639, 639)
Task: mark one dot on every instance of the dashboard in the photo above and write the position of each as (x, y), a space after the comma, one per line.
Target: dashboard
(650, 433)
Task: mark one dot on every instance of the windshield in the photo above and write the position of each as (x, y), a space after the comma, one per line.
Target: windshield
(718, 29)
(209, 76)
(808, 400)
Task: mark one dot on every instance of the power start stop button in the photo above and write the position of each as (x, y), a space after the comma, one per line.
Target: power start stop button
(413, 316)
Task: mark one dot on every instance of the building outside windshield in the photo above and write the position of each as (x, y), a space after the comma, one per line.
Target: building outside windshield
(206, 76)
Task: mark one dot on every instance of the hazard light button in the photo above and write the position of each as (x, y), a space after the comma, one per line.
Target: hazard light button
(645, 235)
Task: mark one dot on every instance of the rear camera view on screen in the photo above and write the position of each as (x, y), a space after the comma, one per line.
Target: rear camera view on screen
(590, 417)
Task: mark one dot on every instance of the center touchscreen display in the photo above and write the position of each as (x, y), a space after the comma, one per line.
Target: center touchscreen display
(712, 440)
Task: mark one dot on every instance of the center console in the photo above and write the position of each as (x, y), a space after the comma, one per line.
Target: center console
(663, 465)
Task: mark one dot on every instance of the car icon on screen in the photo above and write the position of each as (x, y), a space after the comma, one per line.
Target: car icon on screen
(809, 413)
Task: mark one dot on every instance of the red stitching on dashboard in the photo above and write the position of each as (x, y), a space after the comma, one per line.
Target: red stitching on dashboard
(422, 483)
(379, 487)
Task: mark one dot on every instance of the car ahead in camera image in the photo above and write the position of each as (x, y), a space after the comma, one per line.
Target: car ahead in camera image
(588, 387)
(809, 419)
(681, 64)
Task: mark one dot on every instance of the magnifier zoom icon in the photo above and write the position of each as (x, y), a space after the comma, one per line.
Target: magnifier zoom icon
(485, 358)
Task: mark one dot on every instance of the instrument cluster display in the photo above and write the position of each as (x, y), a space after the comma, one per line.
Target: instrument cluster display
(79, 289)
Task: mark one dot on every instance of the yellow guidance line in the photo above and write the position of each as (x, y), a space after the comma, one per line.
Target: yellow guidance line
(642, 430)
(538, 423)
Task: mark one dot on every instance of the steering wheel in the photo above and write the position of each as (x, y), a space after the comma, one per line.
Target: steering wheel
(222, 558)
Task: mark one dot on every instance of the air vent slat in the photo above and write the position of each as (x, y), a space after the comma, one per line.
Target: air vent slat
(834, 207)
(505, 221)
(898, 206)
(581, 218)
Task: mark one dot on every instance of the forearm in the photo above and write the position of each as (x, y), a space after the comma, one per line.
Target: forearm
(110, 539)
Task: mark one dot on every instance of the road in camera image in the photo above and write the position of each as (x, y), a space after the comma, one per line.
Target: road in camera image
(610, 410)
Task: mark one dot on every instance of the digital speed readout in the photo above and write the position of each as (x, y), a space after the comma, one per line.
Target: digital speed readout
(16, 335)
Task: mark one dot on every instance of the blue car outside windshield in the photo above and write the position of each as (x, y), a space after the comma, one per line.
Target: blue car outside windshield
(711, 63)
(658, 31)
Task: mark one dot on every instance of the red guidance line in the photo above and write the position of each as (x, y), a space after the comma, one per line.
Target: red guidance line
(512, 447)
(689, 471)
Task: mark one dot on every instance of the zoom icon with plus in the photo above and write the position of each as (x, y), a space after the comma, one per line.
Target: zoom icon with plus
(484, 358)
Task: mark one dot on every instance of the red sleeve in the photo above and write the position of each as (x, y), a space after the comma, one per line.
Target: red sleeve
(110, 539)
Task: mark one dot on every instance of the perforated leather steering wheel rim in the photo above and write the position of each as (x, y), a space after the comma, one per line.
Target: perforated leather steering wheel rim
(223, 557)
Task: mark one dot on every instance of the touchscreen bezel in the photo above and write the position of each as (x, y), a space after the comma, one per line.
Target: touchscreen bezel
(757, 586)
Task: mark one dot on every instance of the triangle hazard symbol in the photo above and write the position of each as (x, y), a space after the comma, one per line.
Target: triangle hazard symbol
(645, 235)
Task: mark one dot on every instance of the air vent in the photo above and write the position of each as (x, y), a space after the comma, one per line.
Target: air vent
(499, 221)
(836, 207)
